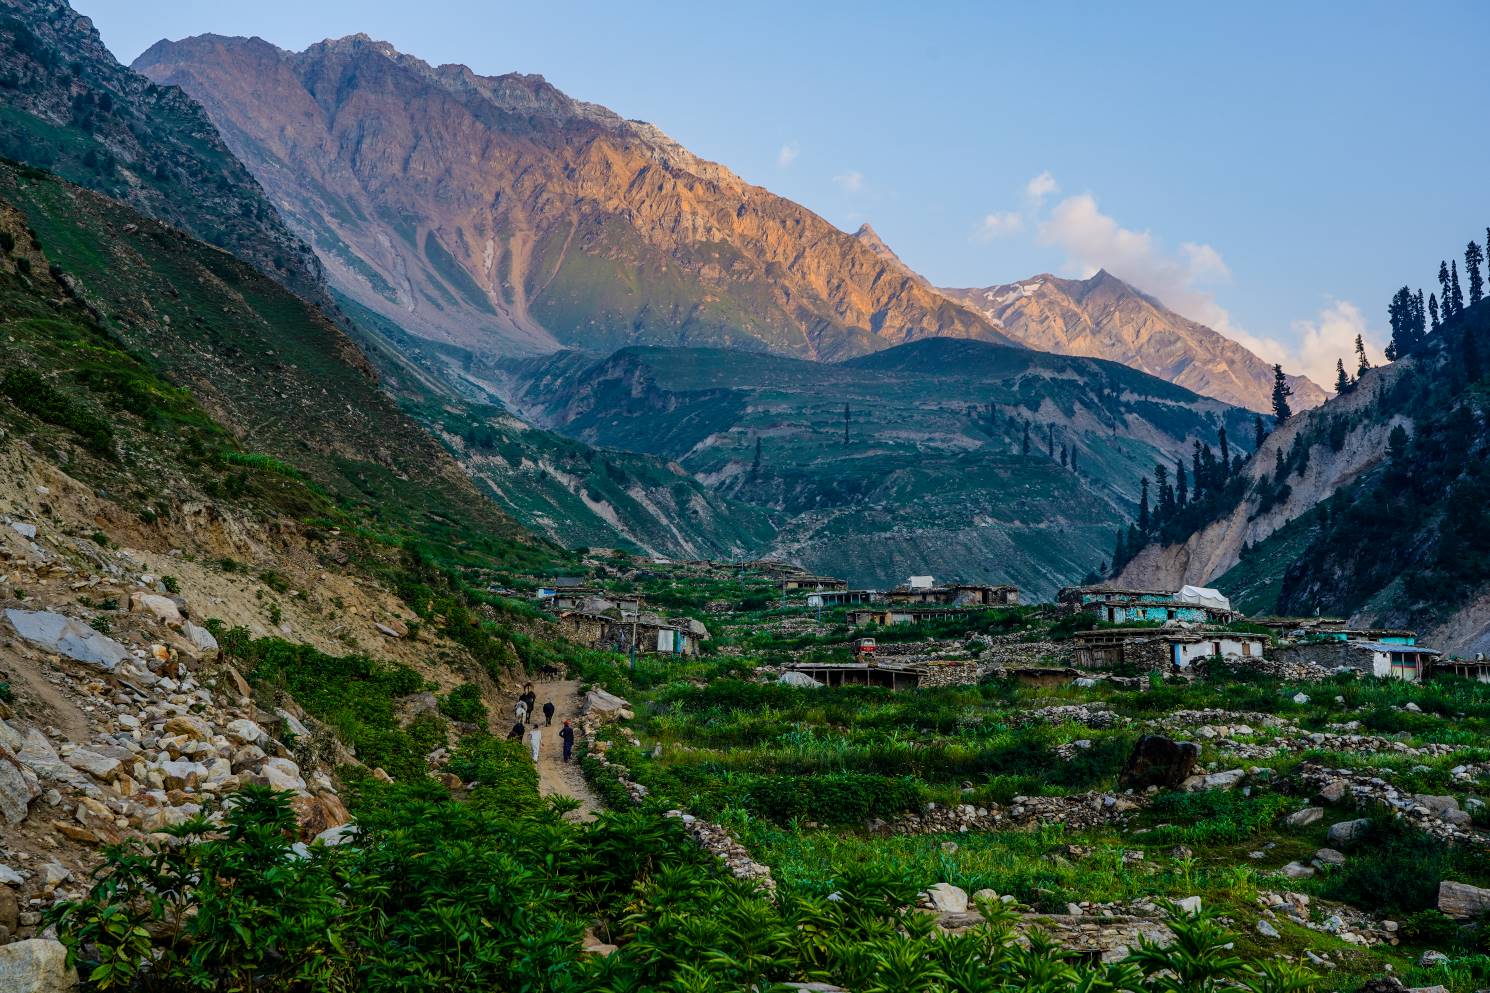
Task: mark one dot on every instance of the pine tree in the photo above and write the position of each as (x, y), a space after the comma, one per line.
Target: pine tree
(1472, 260)
(1225, 453)
(1433, 310)
(1073, 460)
(1419, 320)
(1362, 363)
(755, 467)
(1400, 317)
(845, 425)
(1281, 392)
(1443, 290)
(1143, 507)
(1050, 440)
(1063, 455)
(1454, 287)
(1119, 551)
(1166, 495)
(1259, 433)
(1280, 470)
(1024, 446)
(1181, 484)
(1342, 381)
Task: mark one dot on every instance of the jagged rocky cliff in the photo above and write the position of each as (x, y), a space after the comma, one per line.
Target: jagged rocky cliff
(1106, 318)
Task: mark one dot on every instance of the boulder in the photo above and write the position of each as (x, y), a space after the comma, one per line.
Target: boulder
(282, 774)
(96, 765)
(1304, 818)
(163, 608)
(37, 965)
(1346, 833)
(319, 814)
(1330, 857)
(1159, 761)
(18, 787)
(202, 640)
(1431, 958)
(1334, 791)
(948, 899)
(604, 704)
(244, 731)
(67, 637)
(1188, 905)
(27, 531)
(191, 726)
(1298, 870)
(1462, 901)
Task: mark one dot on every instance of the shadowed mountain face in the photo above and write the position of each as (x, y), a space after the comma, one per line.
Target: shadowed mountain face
(497, 215)
(1106, 318)
(67, 106)
(965, 459)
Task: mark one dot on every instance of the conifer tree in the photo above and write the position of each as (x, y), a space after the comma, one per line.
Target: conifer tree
(1024, 446)
(1143, 507)
(1362, 363)
(1454, 287)
(755, 467)
(1443, 290)
(1119, 551)
(1050, 440)
(1433, 310)
(1166, 495)
(1225, 453)
(1063, 455)
(845, 425)
(1181, 484)
(1342, 381)
(1419, 319)
(1281, 392)
(1073, 460)
(1472, 260)
(1259, 433)
(1280, 471)
(1401, 318)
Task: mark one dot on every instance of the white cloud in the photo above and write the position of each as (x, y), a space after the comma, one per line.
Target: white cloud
(1331, 337)
(1040, 187)
(1181, 279)
(787, 155)
(851, 182)
(1002, 225)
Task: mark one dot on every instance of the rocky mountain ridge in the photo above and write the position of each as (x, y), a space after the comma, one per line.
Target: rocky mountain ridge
(496, 214)
(1107, 318)
(68, 106)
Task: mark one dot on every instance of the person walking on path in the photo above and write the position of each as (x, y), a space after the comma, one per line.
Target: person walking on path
(566, 735)
(548, 713)
(531, 700)
(535, 739)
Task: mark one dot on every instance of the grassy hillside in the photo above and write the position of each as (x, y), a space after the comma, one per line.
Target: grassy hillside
(272, 368)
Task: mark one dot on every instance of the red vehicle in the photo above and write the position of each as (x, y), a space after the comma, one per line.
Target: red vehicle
(864, 650)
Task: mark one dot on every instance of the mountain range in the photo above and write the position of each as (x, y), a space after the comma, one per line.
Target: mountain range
(553, 300)
(496, 215)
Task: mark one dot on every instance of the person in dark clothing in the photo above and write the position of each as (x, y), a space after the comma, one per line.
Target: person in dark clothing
(516, 733)
(566, 735)
(548, 713)
(531, 699)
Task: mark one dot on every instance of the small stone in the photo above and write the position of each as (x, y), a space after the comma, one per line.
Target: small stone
(1297, 870)
(1330, 857)
(1432, 958)
(1346, 833)
(1267, 930)
(1304, 818)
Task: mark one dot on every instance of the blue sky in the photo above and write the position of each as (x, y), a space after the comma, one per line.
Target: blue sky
(1275, 170)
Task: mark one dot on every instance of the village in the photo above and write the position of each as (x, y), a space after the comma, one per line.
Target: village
(1113, 632)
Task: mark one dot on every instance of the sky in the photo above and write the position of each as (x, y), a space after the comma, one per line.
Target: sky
(1274, 170)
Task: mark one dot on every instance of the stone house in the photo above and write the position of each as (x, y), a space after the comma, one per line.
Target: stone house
(843, 598)
(614, 631)
(1386, 660)
(892, 675)
(1192, 605)
(891, 615)
(956, 595)
(1162, 649)
(1315, 629)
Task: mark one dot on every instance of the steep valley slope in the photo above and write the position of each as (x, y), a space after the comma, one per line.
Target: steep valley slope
(1373, 506)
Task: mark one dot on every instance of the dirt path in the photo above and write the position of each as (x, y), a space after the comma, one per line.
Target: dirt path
(554, 777)
(60, 710)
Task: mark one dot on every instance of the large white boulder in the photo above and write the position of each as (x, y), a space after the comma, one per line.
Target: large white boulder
(67, 637)
(37, 965)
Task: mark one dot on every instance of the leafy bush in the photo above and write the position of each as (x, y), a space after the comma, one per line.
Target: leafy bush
(464, 704)
(1398, 869)
(31, 392)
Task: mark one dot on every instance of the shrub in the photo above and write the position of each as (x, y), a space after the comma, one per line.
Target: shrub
(31, 392)
(464, 704)
(1399, 868)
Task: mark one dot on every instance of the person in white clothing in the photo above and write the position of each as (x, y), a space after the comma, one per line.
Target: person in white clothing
(536, 739)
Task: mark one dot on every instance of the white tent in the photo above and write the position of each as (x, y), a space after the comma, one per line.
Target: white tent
(1203, 596)
(793, 678)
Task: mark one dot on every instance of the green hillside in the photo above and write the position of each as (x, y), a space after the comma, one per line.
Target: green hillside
(934, 475)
